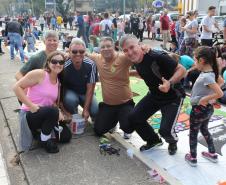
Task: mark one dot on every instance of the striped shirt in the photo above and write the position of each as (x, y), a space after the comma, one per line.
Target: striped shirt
(77, 80)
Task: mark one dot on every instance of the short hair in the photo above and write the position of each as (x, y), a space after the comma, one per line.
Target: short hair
(50, 33)
(77, 41)
(211, 8)
(107, 39)
(106, 15)
(125, 38)
(190, 13)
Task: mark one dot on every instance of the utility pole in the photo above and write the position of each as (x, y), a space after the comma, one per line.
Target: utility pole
(124, 7)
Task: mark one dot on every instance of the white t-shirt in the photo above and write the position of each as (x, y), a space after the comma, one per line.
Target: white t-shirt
(209, 23)
(104, 22)
(190, 25)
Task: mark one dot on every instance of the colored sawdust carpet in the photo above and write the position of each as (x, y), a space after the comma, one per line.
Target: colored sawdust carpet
(139, 90)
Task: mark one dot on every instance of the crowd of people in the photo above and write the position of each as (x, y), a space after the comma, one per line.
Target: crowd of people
(52, 84)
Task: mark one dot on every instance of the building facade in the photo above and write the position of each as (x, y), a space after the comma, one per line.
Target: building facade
(50, 5)
(200, 5)
(83, 5)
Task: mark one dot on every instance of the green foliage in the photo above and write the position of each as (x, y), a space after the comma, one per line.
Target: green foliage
(62, 8)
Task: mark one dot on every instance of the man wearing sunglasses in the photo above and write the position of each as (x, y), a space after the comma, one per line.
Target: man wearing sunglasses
(80, 77)
(38, 60)
(113, 68)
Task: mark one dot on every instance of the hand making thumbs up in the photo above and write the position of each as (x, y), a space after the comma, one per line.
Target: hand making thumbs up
(165, 86)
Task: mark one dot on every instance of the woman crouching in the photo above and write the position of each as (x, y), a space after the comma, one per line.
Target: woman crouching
(39, 115)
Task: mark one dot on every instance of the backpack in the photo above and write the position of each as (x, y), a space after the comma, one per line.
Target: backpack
(107, 30)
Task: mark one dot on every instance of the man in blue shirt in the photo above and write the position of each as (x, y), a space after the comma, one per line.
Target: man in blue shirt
(80, 77)
(81, 28)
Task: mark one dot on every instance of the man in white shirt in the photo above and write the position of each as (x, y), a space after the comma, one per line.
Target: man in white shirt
(207, 27)
(106, 26)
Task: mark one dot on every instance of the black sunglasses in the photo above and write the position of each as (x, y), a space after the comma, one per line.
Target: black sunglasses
(81, 52)
(54, 61)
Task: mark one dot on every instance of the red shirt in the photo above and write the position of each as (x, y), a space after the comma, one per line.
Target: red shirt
(172, 28)
(165, 22)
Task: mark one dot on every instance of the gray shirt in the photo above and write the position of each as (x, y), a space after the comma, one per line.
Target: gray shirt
(200, 88)
(190, 25)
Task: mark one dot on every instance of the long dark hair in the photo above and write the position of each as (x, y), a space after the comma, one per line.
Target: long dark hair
(209, 56)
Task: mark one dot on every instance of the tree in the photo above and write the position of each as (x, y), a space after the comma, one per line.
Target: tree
(7, 7)
(63, 7)
(37, 6)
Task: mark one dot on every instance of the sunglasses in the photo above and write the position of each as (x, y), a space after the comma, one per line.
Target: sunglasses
(81, 52)
(53, 61)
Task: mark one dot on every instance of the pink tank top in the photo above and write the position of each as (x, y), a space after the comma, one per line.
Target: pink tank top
(44, 94)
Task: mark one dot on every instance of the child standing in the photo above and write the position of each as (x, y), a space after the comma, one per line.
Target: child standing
(204, 92)
(30, 39)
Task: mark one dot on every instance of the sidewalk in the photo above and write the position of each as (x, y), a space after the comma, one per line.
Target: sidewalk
(3, 171)
(78, 162)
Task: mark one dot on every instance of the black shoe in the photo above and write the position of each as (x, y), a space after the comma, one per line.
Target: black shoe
(172, 148)
(50, 146)
(150, 145)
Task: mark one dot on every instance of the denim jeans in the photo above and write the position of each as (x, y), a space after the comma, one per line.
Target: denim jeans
(16, 42)
(72, 100)
(31, 47)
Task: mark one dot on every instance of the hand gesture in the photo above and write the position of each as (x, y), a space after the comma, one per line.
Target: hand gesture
(203, 101)
(165, 86)
(145, 48)
(34, 108)
(61, 116)
(85, 114)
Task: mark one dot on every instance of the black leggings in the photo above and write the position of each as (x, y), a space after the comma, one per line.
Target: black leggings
(199, 119)
(46, 118)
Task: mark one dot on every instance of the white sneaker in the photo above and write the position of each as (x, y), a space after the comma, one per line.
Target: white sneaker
(127, 136)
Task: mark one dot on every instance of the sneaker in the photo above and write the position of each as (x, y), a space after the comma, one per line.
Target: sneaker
(172, 148)
(127, 136)
(111, 131)
(50, 146)
(213, 157)
(192, 161)
(150, 145)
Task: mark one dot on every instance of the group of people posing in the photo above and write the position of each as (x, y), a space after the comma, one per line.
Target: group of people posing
(52, 81)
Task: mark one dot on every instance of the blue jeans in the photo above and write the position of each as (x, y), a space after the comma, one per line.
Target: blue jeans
(16, 41)
(31, 47)
(82, 32)
(72, 100)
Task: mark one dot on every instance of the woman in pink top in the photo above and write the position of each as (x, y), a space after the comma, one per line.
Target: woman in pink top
(39, 104)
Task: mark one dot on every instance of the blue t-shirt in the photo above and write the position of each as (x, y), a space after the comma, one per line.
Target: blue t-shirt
(77, 80)
(186, 61)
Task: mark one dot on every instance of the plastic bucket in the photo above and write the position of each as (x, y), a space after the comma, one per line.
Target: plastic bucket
(77, 124)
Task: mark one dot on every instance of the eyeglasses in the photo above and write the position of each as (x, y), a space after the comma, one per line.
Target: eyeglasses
(54, 61)
(81, 52)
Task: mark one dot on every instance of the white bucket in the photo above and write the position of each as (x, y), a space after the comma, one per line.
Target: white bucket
(77, 124)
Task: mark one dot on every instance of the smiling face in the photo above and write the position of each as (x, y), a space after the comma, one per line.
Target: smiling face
(77, 53)
(107, 49)
(51, 44)
(56, 64)
(132, 50)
